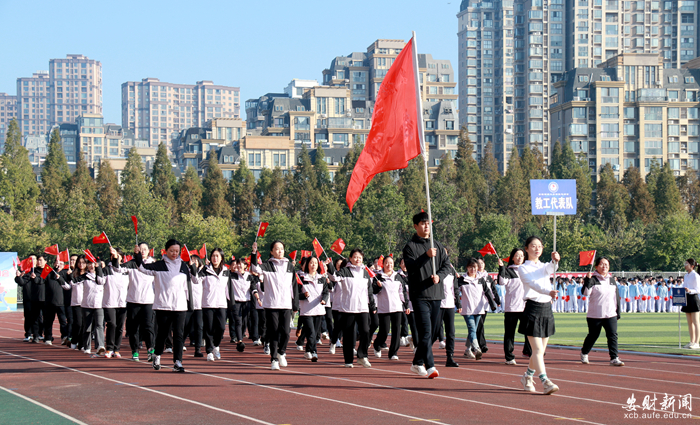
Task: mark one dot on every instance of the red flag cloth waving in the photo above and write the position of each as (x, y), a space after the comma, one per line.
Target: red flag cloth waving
(64, 256)
(370, 272)
(52, 250)
(488, 249)
(586, 258)
(305, 254)
(293, 255)
(26, 265)
(185, 254)
(203, 251)
(393, 139)
(506, 260)
(88, 256)
(317, 247)
(262, 228)
(101, 238)
(380, 263)
(46, 271)
(338, 246)
(136, 223)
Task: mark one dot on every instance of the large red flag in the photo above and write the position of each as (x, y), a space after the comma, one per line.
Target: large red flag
(52, 250)
(101, 238)
(64, 256)
(488, 249)
(338, 246)
(394, 138)
(262, 228)
(136, 223)
(317, 247)
(586, 258)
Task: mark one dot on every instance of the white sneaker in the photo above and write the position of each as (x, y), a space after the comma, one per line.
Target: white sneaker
(549, 387)
(74, 346)
(314, 357)
(168, 350)
(349, 365)
(394, 357)
(266, 349)
(410, 342)
(511, 362)
(300, 348)
(443, 344)
(275, 365)
(332, 349)
(385, 348)
(528, 383)
(318, 342)
(339, 344)
(419, 370)
(478, 354)
(468, 354)
(257, 342)
(101, 351)
(109, 354)
(432, 373)
(210, 357)
(616, 362)
(378, 354)
(48, 342)
(86, 351)
(354, 352)
(364, 362)
(282, 358)
(217, 353)
(584, 358)
(695, 346)
(325, 335)
(688, 345)
(156, 362)
(403, 342)
(308, 356)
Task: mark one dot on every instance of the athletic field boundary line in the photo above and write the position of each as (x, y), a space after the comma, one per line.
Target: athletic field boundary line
(50, 409)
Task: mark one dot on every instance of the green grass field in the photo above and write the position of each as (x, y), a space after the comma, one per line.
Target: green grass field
(648, 332)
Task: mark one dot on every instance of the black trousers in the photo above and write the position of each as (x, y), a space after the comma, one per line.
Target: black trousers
(214, 327)
(68, 311)
(426, 314)
(194, 327)
(310, 331)
(139, 325)
(115, 318)
(50, 313)
(411, 319)
(373, 324)
(238, 310)
(447, 317)
(510, 324)
(36, 319)
(76, 334)
(404, 324)
(167, 320)
(387, 320)
(594, 326)
(277, 322)
(337, 331)
(327, 323)
(347, 322)
(253, 330)
(27, 311)
(262, 329)
(480, 334)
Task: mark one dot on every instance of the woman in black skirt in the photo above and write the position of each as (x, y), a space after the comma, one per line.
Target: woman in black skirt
(537, 322)
(692, 306)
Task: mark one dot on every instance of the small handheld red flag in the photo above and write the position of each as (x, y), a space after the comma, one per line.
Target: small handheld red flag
(487, 249)
(52, 250)
(185, 254)
(370, 272)
(338, 246)
(64, 256)
(203, 251)
(305, 254)
(26, 265)
(150, 253)
(101, 238)
(136, 223)
(298, 280)
(261, 229)
(127, 258)
(506, 260)
(162, 253)
(46, 271)
(321, 267)
(88, 256)
(587, 258)
(293, 255)
(258, 258)
(317, 247)
(380, 263)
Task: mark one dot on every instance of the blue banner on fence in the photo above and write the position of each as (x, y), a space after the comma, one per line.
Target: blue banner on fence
(553, 197)
(678, 296)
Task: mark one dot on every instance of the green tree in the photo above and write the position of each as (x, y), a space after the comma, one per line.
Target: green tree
(194, 230)
(323, 177)
(565, 165)
(108, 191)
(641, 205)
(55, 176)
(556, 167)
(667, 197)
(671, 240)
(532, 164)
(689, 186)
(470, 180)
(489, 168)
(342, 177)
(19, 191)
(412, 185)
(653, 175)
(446, 171)
(189, 193)
(270, 191)
(24, 237)
(214, 202)
(242, 197)
(612, 200)
(513, 192)
(284, 227)
(497, 229)
(162, 178)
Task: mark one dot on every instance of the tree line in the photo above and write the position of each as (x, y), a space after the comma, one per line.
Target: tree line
(639, 224)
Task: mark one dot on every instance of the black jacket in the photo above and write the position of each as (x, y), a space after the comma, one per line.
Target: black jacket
(25, 282)
(492, 284)
(68, 277)
(54, 291)
(419, 269)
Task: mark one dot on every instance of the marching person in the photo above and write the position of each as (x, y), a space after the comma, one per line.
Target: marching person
(214, 280)
(447, 316)
(475, 296)
(139, 304)
(538, 321)
(337, 333)
(313, 294)
(194, 321)
(93, 280)
(114, 302)
(67, 297)
(388, 286)
(239, 291)
(425, 290)
(482, 273)
(76, 301)
(513, 303)
(692, 307)
(25, 281)
(354, 301)
(280, 299)
(55, 282)
(604, 310)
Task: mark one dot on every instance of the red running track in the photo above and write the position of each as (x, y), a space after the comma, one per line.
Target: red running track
(240, 388)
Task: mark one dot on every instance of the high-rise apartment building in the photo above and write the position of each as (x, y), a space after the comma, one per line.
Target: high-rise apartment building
(8, 112)
(512, 51)
(33, 104)
(75, 88)
(157, 111)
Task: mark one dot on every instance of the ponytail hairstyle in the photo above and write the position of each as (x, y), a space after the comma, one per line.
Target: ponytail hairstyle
(692, 263)
(528, 241)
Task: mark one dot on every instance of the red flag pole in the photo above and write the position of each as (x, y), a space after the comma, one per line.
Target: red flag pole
(421, 140)
(257, 233)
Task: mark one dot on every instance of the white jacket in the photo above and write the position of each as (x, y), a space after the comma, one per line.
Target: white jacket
(116, 287)
(213, 287)
(141, 290)
(513, 301)
(93, 289)
(388, 296)
(242, 286)
(535, 279)
(354, 293)
(279, 284)
(170, 284)
(317, 287)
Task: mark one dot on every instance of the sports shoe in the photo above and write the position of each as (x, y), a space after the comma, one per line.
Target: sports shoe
(616, 362)
(168, 351)
(210, 357)
(116, 355)
(331, 349)
(308, 356)
(528, 383)
(410, 342)
(432, 373)
(101, 351)
(86, 351)
(240, 346)
(74, 346)
(300, 348)
(688, 345)
(584, 358)
(108, 354)
(135, 357)
(217, 353)
(478, 354)
(384, 347)
(443, 344)
(419, 370)
(549, 387)
(198, 353)
(394, 357)
(282, 358)
(318, 342)
(451, 362)
(41, 338)
(178, 367)
(354, 352)
(364, 362)
(257, 342)
(403, 342)
(378, 354)
(314, 357)
(48, 342)
(156, 362)
(339, 344)
(468, 354)
(695, 346)
(29, 339)
(65, 340)
(324, 335)
(266, 349)
(184, 348)
(511, 362)
(349, 365)
(275, 365)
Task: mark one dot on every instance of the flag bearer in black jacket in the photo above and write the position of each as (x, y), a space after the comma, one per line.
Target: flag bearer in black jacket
(55, 283)
(24, 280)
(425, 290)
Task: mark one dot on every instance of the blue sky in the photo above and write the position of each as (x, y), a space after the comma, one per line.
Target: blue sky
(258, 46)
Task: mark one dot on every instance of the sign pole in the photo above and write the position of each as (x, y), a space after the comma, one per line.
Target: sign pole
(679, 328)
(555, 234)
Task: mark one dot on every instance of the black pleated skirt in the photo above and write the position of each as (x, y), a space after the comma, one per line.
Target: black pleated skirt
(538, 320)
(692, 304)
